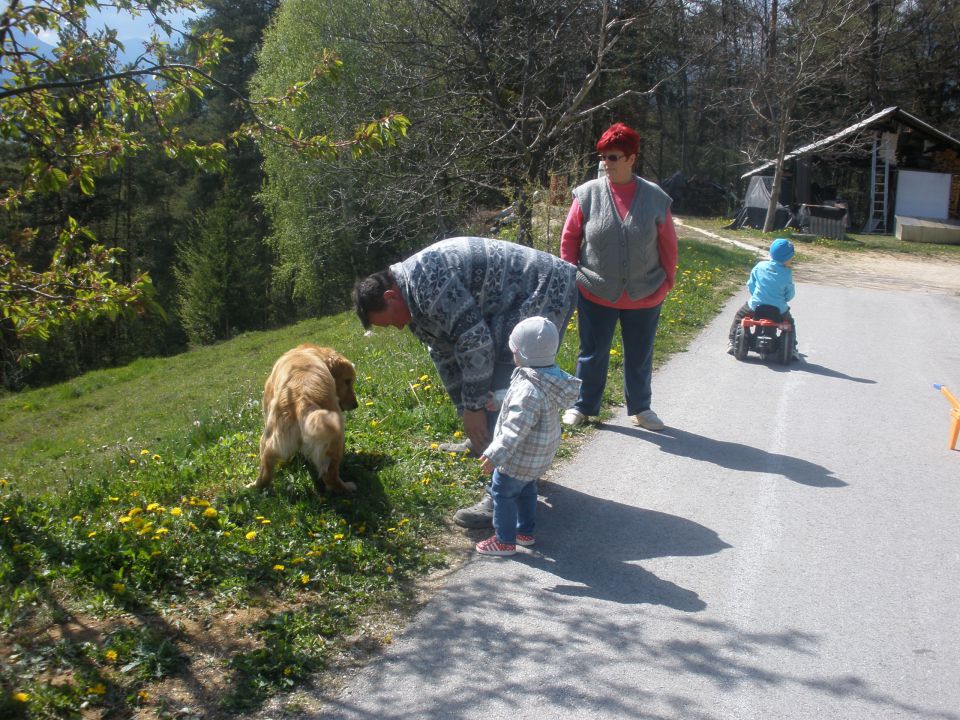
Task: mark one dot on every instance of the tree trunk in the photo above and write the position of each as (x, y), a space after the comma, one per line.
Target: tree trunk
(771, 218)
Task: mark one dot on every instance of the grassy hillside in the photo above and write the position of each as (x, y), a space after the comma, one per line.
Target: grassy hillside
(138, 575)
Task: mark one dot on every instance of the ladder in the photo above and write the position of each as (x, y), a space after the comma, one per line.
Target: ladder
(879, 182)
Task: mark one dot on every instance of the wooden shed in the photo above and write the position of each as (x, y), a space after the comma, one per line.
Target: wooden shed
(885, 169)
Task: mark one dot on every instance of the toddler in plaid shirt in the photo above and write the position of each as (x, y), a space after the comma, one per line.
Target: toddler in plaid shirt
(527, 433)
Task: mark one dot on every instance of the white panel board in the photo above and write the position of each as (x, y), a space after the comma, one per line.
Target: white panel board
(923, 194)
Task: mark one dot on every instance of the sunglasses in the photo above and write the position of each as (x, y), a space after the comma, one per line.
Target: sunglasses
(612, 157)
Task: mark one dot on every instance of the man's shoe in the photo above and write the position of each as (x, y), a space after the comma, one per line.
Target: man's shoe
(648, 420)
(795, 355)
(525, 540)
(476, 516)
(573, 417)
(731, 350)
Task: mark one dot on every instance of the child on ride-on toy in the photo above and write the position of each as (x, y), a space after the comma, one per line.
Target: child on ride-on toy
(770, 283)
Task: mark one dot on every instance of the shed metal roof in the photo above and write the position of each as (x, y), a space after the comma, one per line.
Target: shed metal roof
(890, 113)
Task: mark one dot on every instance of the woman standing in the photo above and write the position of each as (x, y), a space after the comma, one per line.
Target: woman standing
(620, 235)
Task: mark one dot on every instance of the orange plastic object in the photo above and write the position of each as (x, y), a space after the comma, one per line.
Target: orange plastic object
(955, 414)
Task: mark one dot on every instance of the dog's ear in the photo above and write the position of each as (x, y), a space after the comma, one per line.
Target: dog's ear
(339, 366)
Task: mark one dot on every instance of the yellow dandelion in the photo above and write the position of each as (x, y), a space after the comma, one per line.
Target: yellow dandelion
(458, 434)
(152, 506)
(423, 378)
(415, 386)
(251, 535)
(110, 656)
(427, 387)
(404, 521)
(124, 520)
(176, 511)
(434, 446)
(389, 569)
(425, 481)
(264, 522)
(90, 535)
(210, 512)
(162, 531)
(21, 697)
(134, 511)
(338, 536)
(374, 423)
(155, 458)
(98, 689)
(368, 403)
(147, 528)
(76, 518)
(297, 561)
(114, 498)
(119, 588)
(132, 461)
(304, 579)
(144, 452)
(143, 695)
(279, 568)
(192, 526)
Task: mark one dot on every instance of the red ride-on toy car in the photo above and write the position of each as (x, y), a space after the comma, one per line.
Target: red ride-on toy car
(766, 333)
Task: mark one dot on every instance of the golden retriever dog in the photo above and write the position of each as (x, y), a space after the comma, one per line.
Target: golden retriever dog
(303, 403)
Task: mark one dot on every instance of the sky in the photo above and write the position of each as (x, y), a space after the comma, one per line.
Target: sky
(127, 26)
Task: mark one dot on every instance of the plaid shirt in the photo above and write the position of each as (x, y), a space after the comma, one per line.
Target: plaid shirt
(528, 430)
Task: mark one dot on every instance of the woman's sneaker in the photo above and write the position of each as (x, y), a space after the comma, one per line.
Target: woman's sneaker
(648, 420)
(492, 546)
(573, 417)
(525, 540)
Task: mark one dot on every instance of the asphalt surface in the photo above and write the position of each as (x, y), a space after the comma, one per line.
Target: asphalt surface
(788, 548)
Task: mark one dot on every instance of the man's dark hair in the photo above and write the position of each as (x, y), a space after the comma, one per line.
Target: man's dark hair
(368, 294)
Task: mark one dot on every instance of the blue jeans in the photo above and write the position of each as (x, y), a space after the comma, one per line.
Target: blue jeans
(638, 328)
(514, 506)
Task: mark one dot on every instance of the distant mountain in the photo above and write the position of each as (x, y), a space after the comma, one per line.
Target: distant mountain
(132, 49)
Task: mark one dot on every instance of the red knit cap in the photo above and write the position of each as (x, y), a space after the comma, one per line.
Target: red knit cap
(619, 137)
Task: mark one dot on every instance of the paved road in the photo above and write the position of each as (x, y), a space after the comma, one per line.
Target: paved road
(788, 548)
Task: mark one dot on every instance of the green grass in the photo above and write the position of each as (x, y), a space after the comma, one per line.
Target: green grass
(132, 554)
(854, 242)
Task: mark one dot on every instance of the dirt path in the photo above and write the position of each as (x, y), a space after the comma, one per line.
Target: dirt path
(865, 268)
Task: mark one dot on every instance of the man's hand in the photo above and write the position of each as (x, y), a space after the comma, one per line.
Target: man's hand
(475, 425)
(486, 464)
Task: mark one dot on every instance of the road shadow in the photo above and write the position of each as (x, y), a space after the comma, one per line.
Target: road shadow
(809, 367)
(734, 456)
(593, 546)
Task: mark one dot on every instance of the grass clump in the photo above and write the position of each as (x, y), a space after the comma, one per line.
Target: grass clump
(138, 573)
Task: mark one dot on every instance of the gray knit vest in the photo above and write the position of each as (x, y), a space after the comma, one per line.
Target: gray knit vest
(621, 255)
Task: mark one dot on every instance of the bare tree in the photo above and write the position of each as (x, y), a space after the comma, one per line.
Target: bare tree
(809, 45)
(523, 75)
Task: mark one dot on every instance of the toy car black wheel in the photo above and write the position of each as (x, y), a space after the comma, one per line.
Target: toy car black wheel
(786, 347)
(741, 344)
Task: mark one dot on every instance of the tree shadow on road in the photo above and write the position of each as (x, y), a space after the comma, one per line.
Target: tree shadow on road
(735, 456)
(595, 544)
